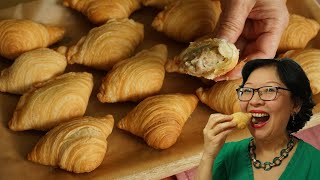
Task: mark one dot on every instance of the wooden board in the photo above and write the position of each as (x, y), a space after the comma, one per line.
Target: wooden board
(127, 157)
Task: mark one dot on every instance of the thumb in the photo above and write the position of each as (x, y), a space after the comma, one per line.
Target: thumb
(232, 19)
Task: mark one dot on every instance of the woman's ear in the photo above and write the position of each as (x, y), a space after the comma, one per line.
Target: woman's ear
(297, 105)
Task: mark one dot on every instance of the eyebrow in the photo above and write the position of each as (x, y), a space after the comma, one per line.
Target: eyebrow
(267, 82)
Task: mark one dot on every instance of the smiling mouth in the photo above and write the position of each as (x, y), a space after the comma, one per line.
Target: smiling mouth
(260, 118)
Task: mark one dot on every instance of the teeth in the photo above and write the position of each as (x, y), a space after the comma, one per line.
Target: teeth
(259, 114)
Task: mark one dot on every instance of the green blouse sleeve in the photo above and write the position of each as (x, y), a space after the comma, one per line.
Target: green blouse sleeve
(219, 167)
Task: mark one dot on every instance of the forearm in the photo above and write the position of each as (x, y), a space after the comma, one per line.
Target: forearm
(204, 171)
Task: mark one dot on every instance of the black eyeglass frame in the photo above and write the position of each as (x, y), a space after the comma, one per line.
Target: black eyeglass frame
(257, 89)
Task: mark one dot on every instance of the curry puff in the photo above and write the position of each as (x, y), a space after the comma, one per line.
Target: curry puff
(186, 20)
(20, 35)
(298, 33)
(159, 119)
(309, 60)
(31, 67)
(77, 146)
(135, 78)
(242, 119)
(209, 58)
(108, 44)
(221, 97)
(100, 11)
(52, 102)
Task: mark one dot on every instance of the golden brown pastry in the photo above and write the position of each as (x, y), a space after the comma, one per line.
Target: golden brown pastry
(78, 145)
(208, 58)
(241, 119)
(221, 97)
(309, 60)
(186, 20)
(157, 3)
(298, 33)
(52, 102)
(31, 67)
(135, 78)
(104, 46)
(160, 119)
(20, 35)
(100, 11)
(316, 100)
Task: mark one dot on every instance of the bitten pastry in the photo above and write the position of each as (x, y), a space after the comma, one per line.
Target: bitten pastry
(31, 67)
(159, 119)
(186, 20)
(135, 78)
(157, 3)
(52, 102)
(298, 33)
(20, 35)
(208, 58)
(309, 60)
(78, 145)
(105, 45)
(100, 11)
(221, 97)
(241, 119)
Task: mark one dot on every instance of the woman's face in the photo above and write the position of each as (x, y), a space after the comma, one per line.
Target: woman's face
(270, 118)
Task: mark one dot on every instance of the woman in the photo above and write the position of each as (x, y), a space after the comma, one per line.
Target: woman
(278, 95)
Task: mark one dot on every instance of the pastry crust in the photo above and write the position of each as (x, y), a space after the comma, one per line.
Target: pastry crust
(31, 67)
(157, 3)
(108, 44)
(159, 119)
(20, 35)
(100, 11)
(242, 119)
(298, 33)
(309, 60)
(209, 58)
(78, 145)
(177, 21)
(221, 97)
(135, 78)
(52, 102)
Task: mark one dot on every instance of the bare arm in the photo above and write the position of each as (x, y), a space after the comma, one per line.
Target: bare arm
(215, 134)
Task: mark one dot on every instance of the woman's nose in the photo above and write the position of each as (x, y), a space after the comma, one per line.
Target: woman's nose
(256, 100)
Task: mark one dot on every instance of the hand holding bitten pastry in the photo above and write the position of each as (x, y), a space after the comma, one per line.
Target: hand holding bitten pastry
(277, 94)
(254, 26)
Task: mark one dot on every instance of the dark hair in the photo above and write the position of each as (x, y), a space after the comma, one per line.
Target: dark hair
(295, 79)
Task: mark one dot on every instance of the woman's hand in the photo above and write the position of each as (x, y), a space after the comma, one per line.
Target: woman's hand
(215, 134)
(255, 26)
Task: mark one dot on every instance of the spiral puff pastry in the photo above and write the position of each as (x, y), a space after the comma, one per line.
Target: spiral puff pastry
(52, 102)
(159, 119)
(105, 45)
(135, 78)
(31, 67)
(298, 33)
(186, 20)
(78, 145)
(221, 97)
(157, 3)
(209, 58)
(100, 11)
(20, 35)
(309, 60)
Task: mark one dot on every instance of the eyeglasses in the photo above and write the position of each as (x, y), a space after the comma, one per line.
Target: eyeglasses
(266, 93)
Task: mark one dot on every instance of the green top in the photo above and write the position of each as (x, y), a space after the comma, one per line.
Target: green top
(233, 162)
